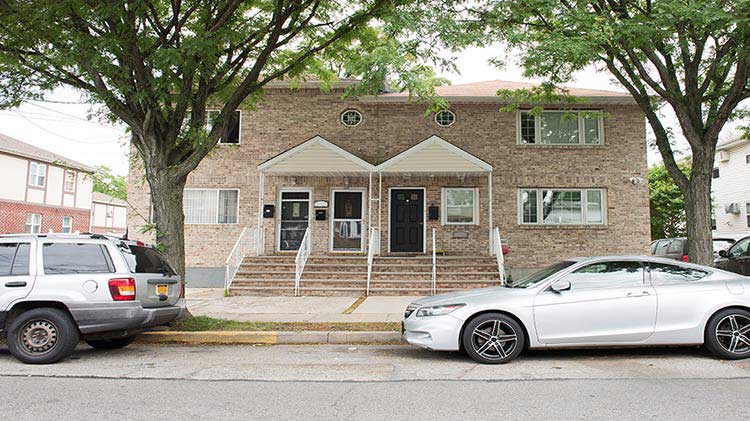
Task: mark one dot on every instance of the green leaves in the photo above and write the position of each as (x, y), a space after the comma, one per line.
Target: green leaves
(667, 203)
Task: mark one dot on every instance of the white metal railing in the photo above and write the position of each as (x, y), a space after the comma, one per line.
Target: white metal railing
(497, 250)
(247, 244)
(305, 248)
(434, 264)
(373, 248)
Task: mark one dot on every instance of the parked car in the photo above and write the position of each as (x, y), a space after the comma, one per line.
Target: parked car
(57, 289)
(736, 259)
(587, 302)
(677, 248)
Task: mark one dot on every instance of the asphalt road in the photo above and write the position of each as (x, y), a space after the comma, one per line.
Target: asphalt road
(372, 382)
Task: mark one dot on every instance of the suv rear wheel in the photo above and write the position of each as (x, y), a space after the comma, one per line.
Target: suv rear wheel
(42, 336)
(114, 343)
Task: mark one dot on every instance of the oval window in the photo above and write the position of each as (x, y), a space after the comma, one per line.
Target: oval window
(445, 118)
(351, 118)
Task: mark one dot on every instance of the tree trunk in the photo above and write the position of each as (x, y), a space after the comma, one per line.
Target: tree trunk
(166, 196)
(698, 213)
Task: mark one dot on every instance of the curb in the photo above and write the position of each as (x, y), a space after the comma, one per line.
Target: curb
(271, 338)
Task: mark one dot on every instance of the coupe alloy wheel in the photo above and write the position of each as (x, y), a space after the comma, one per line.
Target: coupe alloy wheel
(494, 339)
(733, 333)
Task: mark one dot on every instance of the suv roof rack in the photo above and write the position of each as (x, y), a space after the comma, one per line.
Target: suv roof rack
(65, 235)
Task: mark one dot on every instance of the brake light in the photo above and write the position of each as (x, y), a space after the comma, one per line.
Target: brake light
(685, 258)
(122, 289)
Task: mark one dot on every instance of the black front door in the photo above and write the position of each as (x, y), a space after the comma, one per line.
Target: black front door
(407, 220)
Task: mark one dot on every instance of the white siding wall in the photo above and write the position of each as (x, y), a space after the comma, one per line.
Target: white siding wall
(120, 217)
(732, 186)
(117, 216)
(35, 196)
(84, 191)
(55, 185)
(15, 170)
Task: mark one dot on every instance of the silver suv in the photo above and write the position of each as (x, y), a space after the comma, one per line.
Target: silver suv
(56, 289)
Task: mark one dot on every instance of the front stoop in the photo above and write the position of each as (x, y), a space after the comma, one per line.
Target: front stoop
(347, 275)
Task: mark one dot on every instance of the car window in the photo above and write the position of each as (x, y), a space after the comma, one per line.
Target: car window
(146, 260)
(541, 275)
(742, 248)
(67, 258)
(661, 248)
(653, 246)
(14, 259)
(722, 245)
(614, 274)
(662, 273)
(675, 246)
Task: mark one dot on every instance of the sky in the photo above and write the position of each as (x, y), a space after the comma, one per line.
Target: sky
(65, 124)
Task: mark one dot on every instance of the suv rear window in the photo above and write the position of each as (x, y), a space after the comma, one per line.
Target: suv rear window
(146, 260)
(67, 258)
(14, 259)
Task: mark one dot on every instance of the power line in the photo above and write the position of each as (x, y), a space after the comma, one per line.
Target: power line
(57, 134)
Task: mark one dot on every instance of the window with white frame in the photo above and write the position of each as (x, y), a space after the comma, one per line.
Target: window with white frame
(747, 213)
(67, 224)
(210, 206)
(231, 133)
(562, 206)
(560, 128)
(460, 206)
(70, 181)
(37, 174)
(33, 223)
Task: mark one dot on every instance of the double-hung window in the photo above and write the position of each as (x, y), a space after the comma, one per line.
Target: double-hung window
(231, 133)
(747, 213)
(67, 224)
(37, 174)
(460, 206)
(562, 206)
(33, 223)
(210, 206)
(560, 128)
(70, 181)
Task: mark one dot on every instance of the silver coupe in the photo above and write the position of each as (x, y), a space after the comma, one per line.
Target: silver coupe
(589, 302)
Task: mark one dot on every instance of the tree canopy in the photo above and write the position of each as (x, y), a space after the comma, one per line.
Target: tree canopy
(105, 181)
(667, 203)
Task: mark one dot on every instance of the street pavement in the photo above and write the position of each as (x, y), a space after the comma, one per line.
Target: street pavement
(212, 302)
(372, 382)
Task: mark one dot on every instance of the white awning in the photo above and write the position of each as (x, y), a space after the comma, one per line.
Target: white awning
(316, 157)
(434, 156)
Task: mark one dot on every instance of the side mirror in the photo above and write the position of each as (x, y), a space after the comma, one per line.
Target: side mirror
(724, 254)
(561, 286)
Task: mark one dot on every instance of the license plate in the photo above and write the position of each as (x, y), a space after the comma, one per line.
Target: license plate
(162, 289)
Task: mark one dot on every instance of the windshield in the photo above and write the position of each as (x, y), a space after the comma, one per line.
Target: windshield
(540, 275)
(146, 260)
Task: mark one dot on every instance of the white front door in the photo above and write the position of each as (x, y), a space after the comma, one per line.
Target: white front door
(347, 230)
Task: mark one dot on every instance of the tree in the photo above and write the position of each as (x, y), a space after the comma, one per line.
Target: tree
(156, 63)
(110, 184)
(691, 56)
(667, 203)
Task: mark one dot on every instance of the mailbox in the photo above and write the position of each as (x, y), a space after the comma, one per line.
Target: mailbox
(268, 211)
(320, 214)
(433, 212)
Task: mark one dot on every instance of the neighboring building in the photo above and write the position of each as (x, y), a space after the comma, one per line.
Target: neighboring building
(730, 189)
(108, 215)
(42, 191)
(555, 186)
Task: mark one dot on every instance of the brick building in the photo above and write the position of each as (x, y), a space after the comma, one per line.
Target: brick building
(42, 191)
(348, 172)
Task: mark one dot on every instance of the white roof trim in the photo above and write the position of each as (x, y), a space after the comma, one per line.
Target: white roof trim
(317, 140)
(434, 140)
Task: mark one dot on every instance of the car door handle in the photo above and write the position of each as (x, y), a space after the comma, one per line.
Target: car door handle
(638, 294)
(15, 284)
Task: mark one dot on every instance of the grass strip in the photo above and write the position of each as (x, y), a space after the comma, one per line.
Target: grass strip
(204, 323)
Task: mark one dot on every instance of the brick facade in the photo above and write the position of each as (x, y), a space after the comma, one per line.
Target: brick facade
(13, 217)
(288, 117)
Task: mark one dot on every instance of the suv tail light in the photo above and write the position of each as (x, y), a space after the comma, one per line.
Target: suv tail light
(685, 258)
(122, 289)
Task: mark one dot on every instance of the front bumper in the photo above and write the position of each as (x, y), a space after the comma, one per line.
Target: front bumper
(123, 318)
(440, 333)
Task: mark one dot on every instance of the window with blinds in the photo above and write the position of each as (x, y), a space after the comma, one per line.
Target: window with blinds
(210, 206)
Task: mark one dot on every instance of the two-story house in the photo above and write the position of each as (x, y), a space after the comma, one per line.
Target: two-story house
(730, 189)
(370, 186)
(108, 215)
(42, 191)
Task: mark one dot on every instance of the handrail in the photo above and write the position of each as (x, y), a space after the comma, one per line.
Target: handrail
(497, 250)
(434, 265)
(303, 253)
(247, 243)
(372, 247)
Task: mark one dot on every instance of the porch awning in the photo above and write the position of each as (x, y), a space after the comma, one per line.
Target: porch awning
(434, 156)
(316, 157)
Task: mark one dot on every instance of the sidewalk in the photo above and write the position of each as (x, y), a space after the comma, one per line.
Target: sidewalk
(211, 302)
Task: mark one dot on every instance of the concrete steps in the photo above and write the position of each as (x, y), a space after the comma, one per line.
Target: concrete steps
(347, 275)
